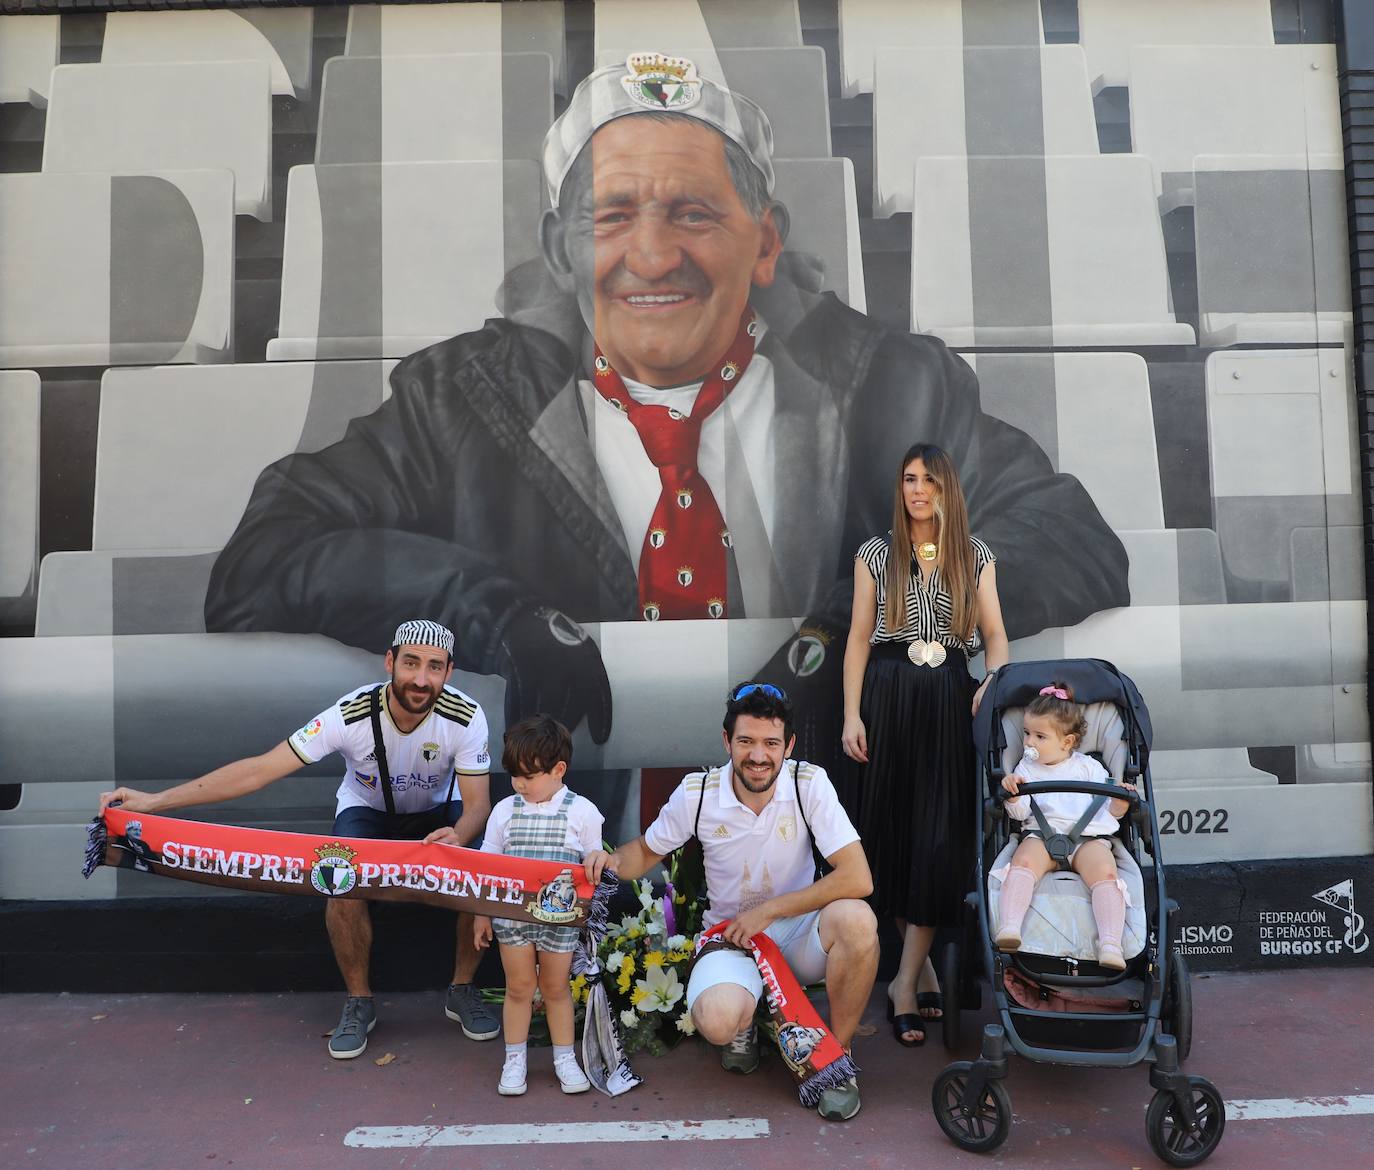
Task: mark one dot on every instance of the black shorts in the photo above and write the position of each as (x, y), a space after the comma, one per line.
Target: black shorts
(379, 825)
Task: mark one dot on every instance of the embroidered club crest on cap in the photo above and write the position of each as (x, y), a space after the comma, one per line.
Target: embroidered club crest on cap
(657, 82)
(424, 633)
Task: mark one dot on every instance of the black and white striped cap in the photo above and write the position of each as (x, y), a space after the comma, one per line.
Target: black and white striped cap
(424, 633)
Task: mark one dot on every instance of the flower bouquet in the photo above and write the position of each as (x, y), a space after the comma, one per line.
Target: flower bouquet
(646, 957)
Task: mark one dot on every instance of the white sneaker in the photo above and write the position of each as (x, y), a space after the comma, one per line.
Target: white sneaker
(512, 1075)
(570, 1078)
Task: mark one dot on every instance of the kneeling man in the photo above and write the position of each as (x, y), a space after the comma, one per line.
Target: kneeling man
(758, 818)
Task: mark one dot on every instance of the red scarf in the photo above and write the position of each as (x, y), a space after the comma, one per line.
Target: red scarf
(806, 1044)
(683, 571)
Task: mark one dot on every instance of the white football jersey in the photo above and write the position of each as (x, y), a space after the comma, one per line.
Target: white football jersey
(422, 763)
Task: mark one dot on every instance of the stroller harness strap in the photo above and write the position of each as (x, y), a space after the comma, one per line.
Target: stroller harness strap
(1062, 845)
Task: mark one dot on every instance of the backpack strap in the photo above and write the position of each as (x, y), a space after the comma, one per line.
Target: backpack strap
(823, 867)
(383, 772)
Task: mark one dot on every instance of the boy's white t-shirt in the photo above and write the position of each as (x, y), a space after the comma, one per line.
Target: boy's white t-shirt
(751, 858)
(1062, 809)
(422, 763)
(584, 822)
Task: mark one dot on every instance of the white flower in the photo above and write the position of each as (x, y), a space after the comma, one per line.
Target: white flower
(646, 895)
(614, 960)
(676, 942)
(628, 921)
(628, 1019)
(685, 1025)
(656, 926)
(661, 990)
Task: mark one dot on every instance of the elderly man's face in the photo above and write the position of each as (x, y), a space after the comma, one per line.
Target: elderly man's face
(662, 250)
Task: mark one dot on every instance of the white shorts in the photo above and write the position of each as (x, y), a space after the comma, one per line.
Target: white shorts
(798, 938)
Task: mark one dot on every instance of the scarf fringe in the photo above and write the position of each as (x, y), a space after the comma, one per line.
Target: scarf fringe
(97, 837)
(831, 1076)
(585, 961)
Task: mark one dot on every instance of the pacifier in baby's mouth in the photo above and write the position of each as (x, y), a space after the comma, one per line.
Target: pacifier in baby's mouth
(1030, 753)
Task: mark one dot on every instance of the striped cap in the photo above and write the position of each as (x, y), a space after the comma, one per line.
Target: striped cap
(424, 633)
(653, 82)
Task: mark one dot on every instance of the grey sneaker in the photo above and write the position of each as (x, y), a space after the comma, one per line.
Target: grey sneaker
(349, 1039)
(741, 1055)
(465, 1004)
(840, 1103)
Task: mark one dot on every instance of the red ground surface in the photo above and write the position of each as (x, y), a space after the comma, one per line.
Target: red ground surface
(177, 1081)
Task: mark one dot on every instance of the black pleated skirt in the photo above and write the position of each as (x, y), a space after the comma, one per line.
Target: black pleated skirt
(918, 791)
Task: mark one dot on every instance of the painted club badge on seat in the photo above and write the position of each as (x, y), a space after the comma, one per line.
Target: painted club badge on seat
(926, 653)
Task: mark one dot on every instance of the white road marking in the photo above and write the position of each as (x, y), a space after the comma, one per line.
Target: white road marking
(1283, 1107)
(576, 1132)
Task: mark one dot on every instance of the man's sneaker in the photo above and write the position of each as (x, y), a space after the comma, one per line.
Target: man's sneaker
(465, 1004)
(512, 1075)
(840, 1103)
(570, 1078)
(741, 1055)
(349, 1039)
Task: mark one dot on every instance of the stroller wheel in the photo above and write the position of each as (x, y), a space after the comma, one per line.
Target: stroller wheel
(980, 1127)
(1171, 1138)
(952, 984)
(1177, 1010)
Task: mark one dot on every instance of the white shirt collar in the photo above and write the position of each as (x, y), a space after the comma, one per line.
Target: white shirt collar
(785, 789)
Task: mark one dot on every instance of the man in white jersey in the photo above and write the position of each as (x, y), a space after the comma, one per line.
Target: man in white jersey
(761, 819)
(406, 745)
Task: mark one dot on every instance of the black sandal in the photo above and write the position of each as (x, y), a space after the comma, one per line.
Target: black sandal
(906, 1022)
(930, 1000)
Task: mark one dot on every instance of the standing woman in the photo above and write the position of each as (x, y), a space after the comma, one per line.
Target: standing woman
(925, 600)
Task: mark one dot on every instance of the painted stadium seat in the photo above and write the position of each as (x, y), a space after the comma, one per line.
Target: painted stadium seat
(373, 253)
(1108, 30)
(124, 268)
(869, 25)
(130, 119)
(693, 28)
(1272, 259)
(19, 402)
(281, 37)
(1258, 397)
(455, 107)
(29, 47)
(151, 421)
(1183, 104)
(813, 190)
(1094, 275)
(531, 26)
(1019, 100)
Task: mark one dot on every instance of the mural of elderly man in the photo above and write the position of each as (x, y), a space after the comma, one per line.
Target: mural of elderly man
(668, 423)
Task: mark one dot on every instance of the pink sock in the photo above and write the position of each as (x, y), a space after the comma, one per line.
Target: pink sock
(1016, 898)
(1109, 908)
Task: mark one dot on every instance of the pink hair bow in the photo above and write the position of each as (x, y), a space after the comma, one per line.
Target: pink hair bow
(1056, 692)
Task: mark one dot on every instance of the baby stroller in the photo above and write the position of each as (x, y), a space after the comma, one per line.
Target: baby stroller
(1055, 1004)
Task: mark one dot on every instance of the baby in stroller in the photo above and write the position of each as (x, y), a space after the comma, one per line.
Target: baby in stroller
(1053, 728)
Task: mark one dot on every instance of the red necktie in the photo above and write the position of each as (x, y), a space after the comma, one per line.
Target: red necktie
(683, 564)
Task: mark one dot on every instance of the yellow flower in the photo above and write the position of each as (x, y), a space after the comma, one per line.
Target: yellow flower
(638, 994)
(654, 959)
(679, 899)
(623, 980)
(628, 966)
(634, 932)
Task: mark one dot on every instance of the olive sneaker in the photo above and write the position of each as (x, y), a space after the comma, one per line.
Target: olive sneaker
(741, 1055)
(841, 1102)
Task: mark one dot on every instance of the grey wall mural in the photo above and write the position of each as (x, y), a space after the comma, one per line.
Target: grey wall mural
(293, 350)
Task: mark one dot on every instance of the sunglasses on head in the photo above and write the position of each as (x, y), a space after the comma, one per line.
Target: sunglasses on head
(746, 689)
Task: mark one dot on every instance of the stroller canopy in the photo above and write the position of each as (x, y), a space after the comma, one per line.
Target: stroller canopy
(1094, 680)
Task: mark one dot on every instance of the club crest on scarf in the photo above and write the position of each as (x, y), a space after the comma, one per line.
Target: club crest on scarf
(796, 1044)
(332, 873)
(556, 900)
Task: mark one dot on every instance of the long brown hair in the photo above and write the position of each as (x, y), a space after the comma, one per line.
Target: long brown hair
(955, 556)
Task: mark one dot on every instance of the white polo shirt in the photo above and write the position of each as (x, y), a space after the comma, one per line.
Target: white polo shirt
(753, 857)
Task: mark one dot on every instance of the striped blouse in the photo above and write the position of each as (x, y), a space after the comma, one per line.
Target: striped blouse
(928, 606)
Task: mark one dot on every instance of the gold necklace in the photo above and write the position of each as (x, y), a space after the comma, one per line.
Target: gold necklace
(928, 550)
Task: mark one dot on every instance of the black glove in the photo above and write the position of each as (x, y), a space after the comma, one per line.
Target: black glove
(551, 665)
